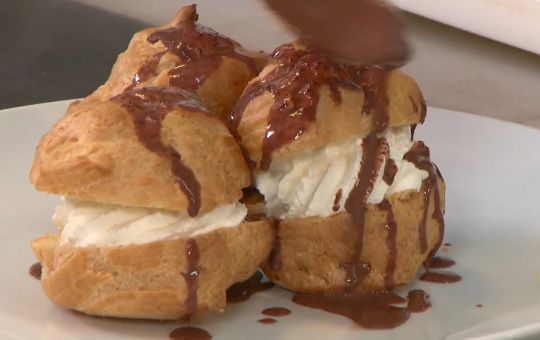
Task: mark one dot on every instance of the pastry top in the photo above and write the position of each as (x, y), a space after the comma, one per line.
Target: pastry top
(148, 147)
(303, 100)
(187, 55)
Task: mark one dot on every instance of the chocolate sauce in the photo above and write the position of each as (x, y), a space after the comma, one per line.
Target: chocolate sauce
(479, 305)
(419, 156)
(35, 270)
(242, 291)
(191, 276)
(440, 277)
(418, 301)
(274, 260)
(267, 321)
(276, 311)
(199, 49)
(190, 333)
(337, 199)
(391, 234)
(148, 108)
(390, 170)
(374, 310)
(439, 262)
(448, 244)
(295, 83)
(373, 80)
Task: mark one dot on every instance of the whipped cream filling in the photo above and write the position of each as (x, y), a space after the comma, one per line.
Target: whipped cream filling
(94, 224)
(308, 185)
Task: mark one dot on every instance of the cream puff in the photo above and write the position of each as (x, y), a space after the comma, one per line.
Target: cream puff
(359, 205)
(150, 223)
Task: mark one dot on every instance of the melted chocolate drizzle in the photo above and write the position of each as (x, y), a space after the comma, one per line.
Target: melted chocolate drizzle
(369, 309)
(148, 108)
(295, 83)
(242, 291)
(439, 262)
(337, 199)
(189, 333)
(276, 311)
(419, 156)
(191, 276)
(391, 234)
(35, 270)
(200, 51)
(373, 81)
(440, 277)
(390, 170)
(267, 321)
(418, 301)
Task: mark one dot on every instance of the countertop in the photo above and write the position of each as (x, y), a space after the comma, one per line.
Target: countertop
(59, 49)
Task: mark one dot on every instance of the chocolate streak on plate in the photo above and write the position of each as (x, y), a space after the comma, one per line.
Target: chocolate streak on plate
(148, 108)
(391, 234)
(439, 262)
(276, 311)
(190, 333)
(374, 310)
(267, 321)
(295, 83)
(242, 291)
(440, 277)
(418, 301)
(35, 270)
(373, 81)
(191, 276)
(200, 51)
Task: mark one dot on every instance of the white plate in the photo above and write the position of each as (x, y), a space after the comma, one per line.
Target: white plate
(491, 170)
(514, 22)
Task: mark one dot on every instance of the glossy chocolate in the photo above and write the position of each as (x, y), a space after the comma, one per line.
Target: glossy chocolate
(189, 333)
(391, 235)
(35, 270)
(240, 292)
(440, 277)
(148, 108)
(276, 311)
(267, 321)
(191, 276)
(439, 262)
(418, 301)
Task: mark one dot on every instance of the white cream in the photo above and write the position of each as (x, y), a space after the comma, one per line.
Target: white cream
(93, 224)
(307, 185)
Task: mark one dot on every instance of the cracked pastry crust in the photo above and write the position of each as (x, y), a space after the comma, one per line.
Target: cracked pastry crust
(313, 249)
(146, 281)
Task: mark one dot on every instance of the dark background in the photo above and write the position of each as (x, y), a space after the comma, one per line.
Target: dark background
(57, 49)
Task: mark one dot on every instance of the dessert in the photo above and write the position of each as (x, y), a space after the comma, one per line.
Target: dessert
(358, 203)
(150, 224)
(187, 55)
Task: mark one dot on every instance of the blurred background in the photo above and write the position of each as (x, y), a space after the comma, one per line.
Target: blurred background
(62, 49)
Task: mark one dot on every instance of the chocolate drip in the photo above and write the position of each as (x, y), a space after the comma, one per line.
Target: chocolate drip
(418, 301)
(440, 277)
(275, 256)
(35, 270)
(242, 291)
(267, 321)
(390, 170)
(391, 234)
(276, 311)
(337, 199)
(439, 262)
(419, 156)
(199, 49)
(189, 333)
(148, 108)
(374, 310)
(373, 81)
(191, 276)
(295, 83)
